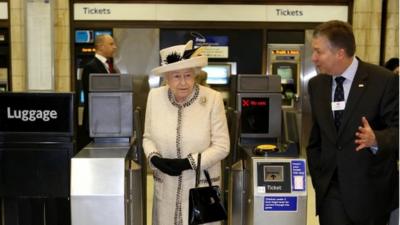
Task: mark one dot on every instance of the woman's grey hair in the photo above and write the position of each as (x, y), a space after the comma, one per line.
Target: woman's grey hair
(197, 71)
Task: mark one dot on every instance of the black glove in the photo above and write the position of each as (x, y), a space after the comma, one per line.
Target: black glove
(179, 164)
(162, 165)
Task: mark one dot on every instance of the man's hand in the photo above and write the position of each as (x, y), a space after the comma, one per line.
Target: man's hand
(365, 137)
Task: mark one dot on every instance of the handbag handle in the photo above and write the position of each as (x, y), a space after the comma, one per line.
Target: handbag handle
(198, 170)
(208, 177)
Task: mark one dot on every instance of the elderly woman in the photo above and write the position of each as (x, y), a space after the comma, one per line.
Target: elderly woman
(183, 119)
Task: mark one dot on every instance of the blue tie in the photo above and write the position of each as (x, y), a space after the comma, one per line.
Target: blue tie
(338, 97)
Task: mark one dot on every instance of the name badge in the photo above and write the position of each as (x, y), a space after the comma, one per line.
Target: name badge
(338, 105)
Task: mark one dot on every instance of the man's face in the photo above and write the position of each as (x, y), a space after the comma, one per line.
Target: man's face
(324, 56)
(108, 47)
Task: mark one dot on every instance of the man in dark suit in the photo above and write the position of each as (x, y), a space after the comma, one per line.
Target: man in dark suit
(354, 137)
(101, 63)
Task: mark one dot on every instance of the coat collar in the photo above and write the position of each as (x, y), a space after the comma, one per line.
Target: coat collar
(191, 98)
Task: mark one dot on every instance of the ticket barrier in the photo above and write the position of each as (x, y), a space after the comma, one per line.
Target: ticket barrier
(268, 190)
(107, 176)
(268, 181)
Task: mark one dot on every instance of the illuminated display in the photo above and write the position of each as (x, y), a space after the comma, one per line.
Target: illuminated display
(251, 102)
(286, 52)
(217, 74)
(102, 32)
(84, 36)
(255, 115)
(286, 74)
(88, 36)
(88, 50)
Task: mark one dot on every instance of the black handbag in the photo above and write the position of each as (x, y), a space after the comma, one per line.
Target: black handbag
(205, 203)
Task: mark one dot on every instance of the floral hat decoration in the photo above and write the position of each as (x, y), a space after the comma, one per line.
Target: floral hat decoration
(180, 57)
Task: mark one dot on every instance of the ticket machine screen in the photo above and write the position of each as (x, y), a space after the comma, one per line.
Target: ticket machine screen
(286, 73)
(255, 115)
(260, 114)
(273, 173)
(274, 177)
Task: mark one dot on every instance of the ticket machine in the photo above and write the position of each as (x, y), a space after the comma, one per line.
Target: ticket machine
(289, 62)
(285, 60)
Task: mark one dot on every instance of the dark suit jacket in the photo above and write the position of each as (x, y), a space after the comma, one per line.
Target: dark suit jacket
(367, 182)
(93, 66)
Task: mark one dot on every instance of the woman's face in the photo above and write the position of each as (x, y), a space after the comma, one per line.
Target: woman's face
(181, 83)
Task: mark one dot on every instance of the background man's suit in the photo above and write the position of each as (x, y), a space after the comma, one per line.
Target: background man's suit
(367, 182)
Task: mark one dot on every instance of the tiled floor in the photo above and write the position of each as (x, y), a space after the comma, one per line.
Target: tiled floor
(311, 219)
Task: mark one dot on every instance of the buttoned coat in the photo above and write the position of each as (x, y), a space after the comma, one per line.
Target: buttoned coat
(183, 131)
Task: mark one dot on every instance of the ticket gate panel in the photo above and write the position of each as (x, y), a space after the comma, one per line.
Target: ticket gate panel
(280, 195)
(274, 191)
(236, 194)
(101, 209)
(106, 186)
(280, 218)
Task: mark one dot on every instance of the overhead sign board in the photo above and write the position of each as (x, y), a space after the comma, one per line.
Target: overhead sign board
(214, 46)
(210, 12)
(306, 13)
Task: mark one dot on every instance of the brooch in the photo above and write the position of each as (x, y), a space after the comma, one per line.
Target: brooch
(203, 100)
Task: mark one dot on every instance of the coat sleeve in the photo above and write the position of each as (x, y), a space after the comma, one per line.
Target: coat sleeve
(388, 138)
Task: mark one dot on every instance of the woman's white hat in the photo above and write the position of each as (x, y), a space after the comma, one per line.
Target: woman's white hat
(180, 57)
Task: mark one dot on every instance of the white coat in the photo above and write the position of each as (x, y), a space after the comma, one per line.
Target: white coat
(182, 131)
